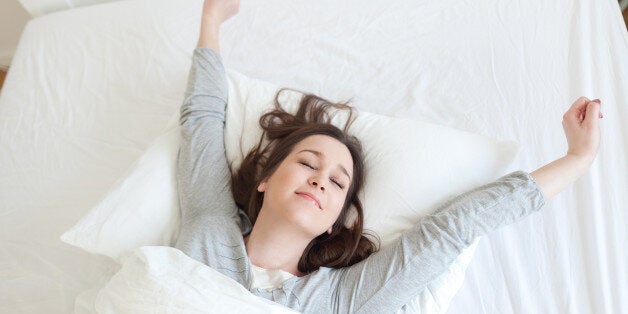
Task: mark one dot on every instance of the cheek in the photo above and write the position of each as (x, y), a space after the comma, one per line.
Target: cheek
(287, 175)
(337, 203)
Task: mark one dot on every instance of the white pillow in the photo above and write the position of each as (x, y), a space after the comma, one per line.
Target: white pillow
(142, 208)
(412, 167)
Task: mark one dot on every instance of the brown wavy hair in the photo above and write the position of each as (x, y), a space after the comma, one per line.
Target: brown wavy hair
(348, 243)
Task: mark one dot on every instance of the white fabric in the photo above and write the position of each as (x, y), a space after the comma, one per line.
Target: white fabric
(268, 278)
(165, 280)
(40, 7)
(141, 209)
(507, 70)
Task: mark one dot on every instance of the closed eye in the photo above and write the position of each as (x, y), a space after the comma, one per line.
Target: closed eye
(307, 165)
(313, 168)
(338, 184)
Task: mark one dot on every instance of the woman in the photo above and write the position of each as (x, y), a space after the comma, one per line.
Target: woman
(280, 225)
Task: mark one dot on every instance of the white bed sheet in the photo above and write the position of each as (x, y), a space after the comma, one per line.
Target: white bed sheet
(505, 69)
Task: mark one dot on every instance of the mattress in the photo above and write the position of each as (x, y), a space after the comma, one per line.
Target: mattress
(507, 70)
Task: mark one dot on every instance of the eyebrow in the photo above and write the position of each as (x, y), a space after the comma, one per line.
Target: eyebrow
(320, 155)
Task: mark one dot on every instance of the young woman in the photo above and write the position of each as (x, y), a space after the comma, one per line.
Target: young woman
(287, 224)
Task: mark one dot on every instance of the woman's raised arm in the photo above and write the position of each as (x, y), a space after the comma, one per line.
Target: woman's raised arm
(203, 177)
(215, 12)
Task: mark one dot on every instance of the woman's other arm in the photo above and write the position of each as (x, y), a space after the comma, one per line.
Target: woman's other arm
(581, 126)
(399, 271)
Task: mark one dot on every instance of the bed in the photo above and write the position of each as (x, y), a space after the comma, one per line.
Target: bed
(506, 70)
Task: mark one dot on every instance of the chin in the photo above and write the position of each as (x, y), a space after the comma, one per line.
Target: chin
(304, 221)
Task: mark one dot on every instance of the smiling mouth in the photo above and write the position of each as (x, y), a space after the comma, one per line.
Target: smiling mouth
(312, 200)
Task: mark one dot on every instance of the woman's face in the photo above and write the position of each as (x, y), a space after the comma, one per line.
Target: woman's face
(310, 186)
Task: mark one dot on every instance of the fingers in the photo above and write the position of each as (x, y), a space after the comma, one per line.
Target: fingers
(593, 114)
(599, 102)
(579, 104)
(578, 112)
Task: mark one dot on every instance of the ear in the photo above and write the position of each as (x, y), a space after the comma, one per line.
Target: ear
(329, 230)
(262, 186)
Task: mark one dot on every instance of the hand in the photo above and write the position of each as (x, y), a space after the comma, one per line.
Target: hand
(582, 129)
(219, 11)
(215, 12)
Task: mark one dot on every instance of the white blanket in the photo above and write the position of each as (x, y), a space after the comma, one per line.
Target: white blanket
(161, 279)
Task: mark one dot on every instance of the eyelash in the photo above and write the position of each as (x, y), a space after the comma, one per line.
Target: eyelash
(332, 180)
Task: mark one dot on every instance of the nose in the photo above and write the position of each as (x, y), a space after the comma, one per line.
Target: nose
(316, 184)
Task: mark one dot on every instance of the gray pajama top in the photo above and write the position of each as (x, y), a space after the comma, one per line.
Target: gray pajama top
(212, 226)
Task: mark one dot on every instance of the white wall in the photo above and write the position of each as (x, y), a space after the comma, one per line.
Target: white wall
(13, 18)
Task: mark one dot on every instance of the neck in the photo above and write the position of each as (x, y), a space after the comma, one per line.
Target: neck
(274, 244)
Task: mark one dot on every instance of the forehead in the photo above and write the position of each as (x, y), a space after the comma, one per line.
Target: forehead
(331, 149)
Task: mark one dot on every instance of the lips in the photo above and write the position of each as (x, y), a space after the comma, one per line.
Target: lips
(310, 197)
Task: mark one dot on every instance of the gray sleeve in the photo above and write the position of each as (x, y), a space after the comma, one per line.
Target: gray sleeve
(211, 223)
(203, 177)
(398, 272)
